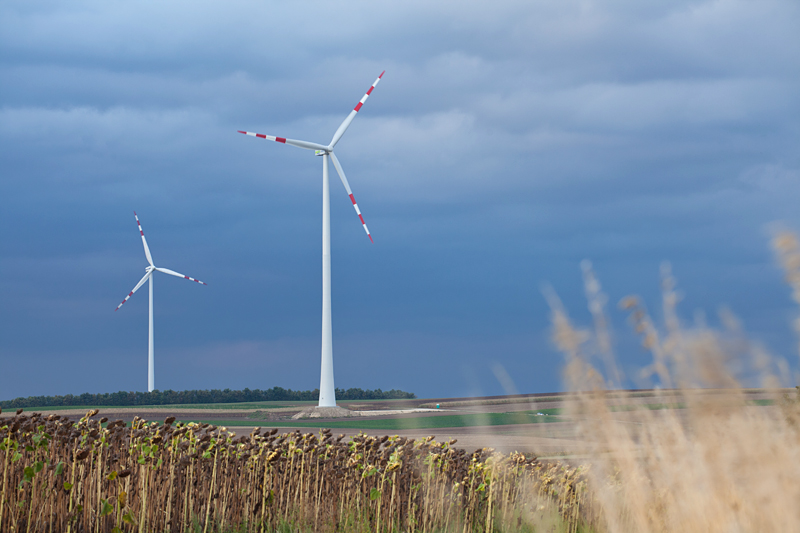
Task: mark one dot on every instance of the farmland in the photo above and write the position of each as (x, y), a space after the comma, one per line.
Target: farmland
(541, 425)
(495, 463)
(99, 475)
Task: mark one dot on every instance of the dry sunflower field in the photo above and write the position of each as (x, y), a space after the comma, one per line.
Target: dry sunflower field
(94, 476)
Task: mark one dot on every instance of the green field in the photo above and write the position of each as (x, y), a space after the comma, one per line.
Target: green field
(681, 405)
(423, 422)
(235, 406)
(243, 406)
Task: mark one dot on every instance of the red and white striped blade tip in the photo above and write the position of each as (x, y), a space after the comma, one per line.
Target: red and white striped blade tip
(126, 298)
(196, 280)
(179, 275)
(144, 240)
(361, 102)
(262, 136)
(360, 216)
(136, 288)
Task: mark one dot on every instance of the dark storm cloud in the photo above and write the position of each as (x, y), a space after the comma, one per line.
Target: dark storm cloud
(505, 143)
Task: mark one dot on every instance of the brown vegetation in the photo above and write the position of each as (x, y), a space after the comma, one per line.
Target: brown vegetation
(63, 476)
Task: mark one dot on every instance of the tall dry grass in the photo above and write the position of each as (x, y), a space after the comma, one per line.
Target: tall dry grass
(715, 464)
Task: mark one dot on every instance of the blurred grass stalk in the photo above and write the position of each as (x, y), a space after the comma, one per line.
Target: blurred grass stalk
(718, 465)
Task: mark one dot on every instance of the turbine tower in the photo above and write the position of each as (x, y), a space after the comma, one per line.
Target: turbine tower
(151, 378)
(327, 394)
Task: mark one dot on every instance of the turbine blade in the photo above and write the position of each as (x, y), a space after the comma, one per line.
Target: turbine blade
(300, 144)
(136, 288)
(344, 125)
(144, 241)
(178, 274)
(349, 192)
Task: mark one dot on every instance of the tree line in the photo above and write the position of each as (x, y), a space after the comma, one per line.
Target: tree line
(170, 397)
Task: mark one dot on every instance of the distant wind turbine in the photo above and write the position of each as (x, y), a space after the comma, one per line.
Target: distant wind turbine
(149, 276)
(327, 394)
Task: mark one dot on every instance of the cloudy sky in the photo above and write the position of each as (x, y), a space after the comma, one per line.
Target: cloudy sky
(507, 142)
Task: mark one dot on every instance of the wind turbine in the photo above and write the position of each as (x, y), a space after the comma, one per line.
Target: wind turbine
(327, 393)
(151, 378)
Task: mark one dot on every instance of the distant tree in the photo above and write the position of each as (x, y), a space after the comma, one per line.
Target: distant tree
(170, 397)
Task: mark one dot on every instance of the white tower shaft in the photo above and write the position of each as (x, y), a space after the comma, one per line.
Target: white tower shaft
(151, 363)
(327, 393)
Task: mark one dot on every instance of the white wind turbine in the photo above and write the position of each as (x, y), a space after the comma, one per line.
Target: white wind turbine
(151, 378)
(327, 394)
